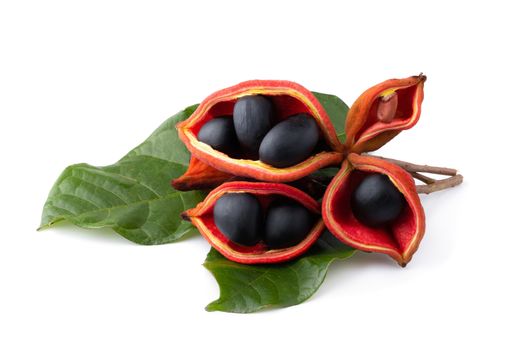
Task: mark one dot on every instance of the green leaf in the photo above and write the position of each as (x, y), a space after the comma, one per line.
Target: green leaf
(329, 172)
(249, 288)
(337, 110)
(133, 196)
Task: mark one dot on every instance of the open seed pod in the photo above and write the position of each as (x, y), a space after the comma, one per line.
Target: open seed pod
(200, 176)
(255, 247)
(382, 112)
(283, 100)
(375, 230)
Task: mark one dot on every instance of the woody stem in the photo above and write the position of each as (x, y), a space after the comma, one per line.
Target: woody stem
(417, 168)
(425, 179)
(431, 185)
(439, 185)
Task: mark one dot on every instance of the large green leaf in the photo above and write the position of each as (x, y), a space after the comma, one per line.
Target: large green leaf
(337, 110)
(248, 288)
(132, 196)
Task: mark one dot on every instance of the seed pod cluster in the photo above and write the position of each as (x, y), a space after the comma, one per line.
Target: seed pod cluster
(278, 131)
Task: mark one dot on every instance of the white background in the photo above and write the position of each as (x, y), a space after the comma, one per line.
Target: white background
(86, 82)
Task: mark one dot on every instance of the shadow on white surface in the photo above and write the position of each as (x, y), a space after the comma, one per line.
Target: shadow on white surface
(442, 210)
(342, 273)
(103, 234)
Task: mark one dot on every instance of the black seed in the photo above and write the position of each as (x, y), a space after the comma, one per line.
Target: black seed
(239, 217)
(252, 118)
(290, 141)
(376, 201)
(219, 133)
(287, 224)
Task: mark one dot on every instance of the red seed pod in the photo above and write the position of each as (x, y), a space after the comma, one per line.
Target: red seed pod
(382, 112)
(288, 99)
(202, 217)
(400, 238)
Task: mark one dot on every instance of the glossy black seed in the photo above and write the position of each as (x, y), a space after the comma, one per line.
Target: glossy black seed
(252, 117)
(239, 217)
(219, 133)
(376, 201)
(287, 224)
(290, 141)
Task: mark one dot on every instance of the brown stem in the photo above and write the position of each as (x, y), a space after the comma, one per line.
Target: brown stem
(439, 185)
(431, 185)
(416, 168)
(425, 179)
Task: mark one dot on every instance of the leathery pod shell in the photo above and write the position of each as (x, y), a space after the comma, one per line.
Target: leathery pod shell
(382, 112)
(203, 219)
(288, 99)
(200, 175)
(399, 238)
